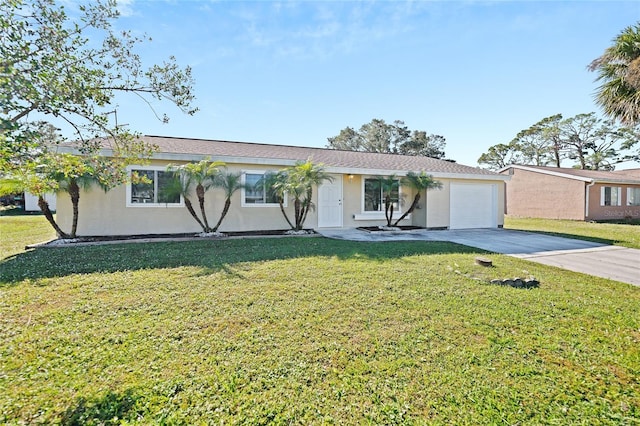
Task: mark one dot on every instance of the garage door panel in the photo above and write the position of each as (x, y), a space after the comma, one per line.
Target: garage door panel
(473, 206)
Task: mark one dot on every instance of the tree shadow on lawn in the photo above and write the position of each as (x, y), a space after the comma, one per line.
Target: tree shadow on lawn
(110, 409)
(211, 255)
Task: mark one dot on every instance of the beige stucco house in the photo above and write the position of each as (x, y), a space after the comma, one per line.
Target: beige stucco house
(563, 193)
(470, 197)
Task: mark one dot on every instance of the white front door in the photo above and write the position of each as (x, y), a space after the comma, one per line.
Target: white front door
(330, 203)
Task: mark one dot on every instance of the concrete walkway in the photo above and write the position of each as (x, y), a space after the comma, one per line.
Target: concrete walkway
(601, 260)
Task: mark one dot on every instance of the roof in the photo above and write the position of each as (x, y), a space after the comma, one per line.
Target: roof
(599, 176)
(338, 161)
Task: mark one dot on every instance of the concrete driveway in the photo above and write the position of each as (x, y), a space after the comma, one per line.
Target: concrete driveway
(601, 260)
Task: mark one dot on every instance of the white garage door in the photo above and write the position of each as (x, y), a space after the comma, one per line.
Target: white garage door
(473, 205)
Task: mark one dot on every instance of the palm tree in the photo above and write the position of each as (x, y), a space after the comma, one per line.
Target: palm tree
(304, 176)
(418, 182)
(388, 185)
(297, 182)
(229, 183)
(619, 70)
(181, 185)
(279, 183)
(71, 173)
(201, 174)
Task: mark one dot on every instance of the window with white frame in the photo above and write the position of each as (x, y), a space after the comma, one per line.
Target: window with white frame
(610, 196)
(374, 195)
(633, 196)
(152, 187)
(257, 191)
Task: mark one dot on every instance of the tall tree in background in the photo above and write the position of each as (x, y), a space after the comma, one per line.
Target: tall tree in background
(541, 143)
(67, 71)
(619, 71)
(394, 138)
(423, 144)
(593, 143)
(501, 155)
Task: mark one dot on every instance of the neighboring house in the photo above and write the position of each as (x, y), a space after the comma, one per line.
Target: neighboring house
(470, 197)
(563, 193)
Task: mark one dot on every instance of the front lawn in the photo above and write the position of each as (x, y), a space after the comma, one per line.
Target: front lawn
(609, 233)
(18, 231)
(310, 331)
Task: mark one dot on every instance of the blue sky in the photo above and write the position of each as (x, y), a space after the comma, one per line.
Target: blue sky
(297, 72)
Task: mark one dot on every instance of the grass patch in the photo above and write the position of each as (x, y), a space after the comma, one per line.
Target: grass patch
(310, 331)
(18, 231)
(619, 234)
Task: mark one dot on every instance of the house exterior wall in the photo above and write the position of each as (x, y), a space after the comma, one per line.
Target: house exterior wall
(599, 212)
(108, 214)
(531, 194)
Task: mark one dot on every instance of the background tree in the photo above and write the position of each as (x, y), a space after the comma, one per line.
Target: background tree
(68, 71)
(596, 143)
(541, 143)
(423, 144)
(501, 155)
(394, 138)
(418, 182)
(618, 69)
(593, 143)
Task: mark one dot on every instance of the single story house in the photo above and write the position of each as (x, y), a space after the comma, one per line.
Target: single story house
(564, 193)
(470, 197)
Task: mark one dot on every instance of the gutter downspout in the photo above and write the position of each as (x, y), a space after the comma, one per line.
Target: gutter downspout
(586, 197)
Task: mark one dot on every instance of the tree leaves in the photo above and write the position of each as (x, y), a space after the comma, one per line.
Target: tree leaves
(394, 138)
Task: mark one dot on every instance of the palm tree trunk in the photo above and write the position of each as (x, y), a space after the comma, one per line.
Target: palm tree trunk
(305, 211)
(44, 206)
(416, 199)
(200, 193)
(388, 206)
(305, 207)
(297, 212)
(74, 193)
(189, 207)
(281, 202)
(225, 210)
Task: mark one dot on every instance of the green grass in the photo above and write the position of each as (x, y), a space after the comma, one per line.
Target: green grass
(625, 235)
(18, 231)
(310, 331)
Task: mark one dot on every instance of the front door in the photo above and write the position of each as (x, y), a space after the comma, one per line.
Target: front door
(330, 203)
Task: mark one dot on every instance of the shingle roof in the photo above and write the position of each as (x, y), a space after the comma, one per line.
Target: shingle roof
(225, 150)
(630, 176)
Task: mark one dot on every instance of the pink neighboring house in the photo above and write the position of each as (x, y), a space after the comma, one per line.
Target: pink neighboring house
(565, 193)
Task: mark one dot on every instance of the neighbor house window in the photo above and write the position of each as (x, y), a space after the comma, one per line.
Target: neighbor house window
(151, 187)
(611, 196)
(374, 195)
(633, 196)
(257, 191)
